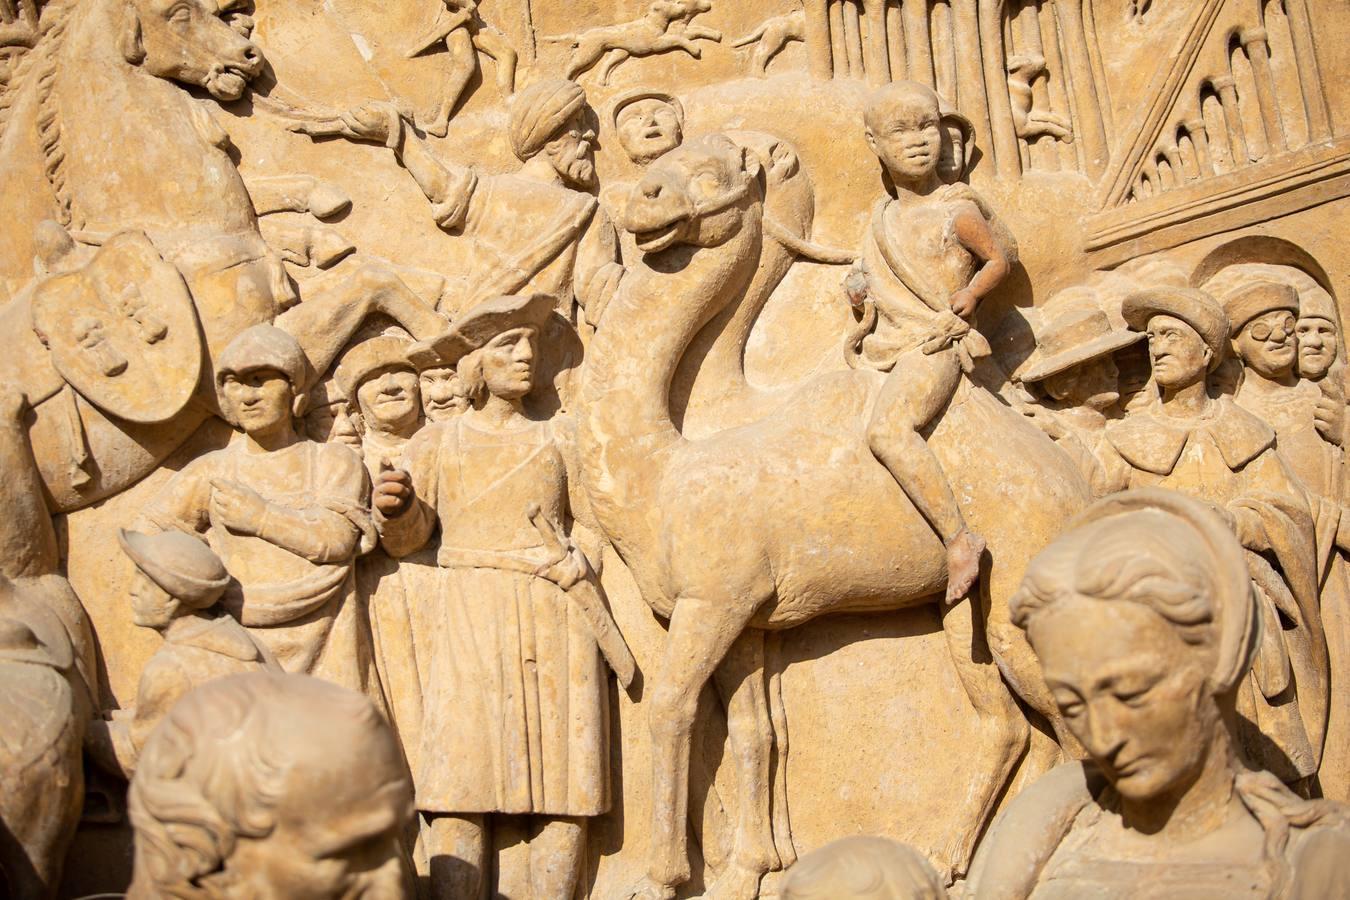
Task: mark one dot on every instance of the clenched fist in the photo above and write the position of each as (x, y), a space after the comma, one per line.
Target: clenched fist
(393, 493)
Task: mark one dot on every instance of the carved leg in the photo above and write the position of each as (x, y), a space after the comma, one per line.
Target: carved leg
(556, 854)
(493, 43)
(741, 684)
(463, 63)
(587, 54)
(456, 851)
(1004, 732)
(701, 633)
(615, 57)
(27, 538)
(325, 321)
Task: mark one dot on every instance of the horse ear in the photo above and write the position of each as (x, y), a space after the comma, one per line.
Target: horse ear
(130, 43)
(750, 159)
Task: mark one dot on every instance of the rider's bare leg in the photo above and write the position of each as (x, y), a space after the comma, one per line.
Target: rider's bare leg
(916, 391)
(494, 44)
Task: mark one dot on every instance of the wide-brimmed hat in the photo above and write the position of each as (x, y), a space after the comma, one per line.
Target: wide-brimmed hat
(1196, 308)
(183, 566)
(369, 356)
(474, 328)
(1256, 298)
(1074, 338)
(628, 98)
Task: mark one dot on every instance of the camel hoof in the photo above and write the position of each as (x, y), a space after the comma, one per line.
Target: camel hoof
(650, 889)
(736, 883)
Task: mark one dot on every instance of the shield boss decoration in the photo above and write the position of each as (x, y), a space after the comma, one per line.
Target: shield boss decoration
(123, 331)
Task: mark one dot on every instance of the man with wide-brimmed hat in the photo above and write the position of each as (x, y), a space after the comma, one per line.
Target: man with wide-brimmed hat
(286, 516)
(1191, 442)
(1073, 375)
(174, 590)
(515, 705)
(535, 231)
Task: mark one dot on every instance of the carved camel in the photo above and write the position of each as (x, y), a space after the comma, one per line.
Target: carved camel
(100, 137)
(767, 525)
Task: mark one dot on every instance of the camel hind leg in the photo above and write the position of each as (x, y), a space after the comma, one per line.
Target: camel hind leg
(702, 631)
(1003, 731)
(741, 683)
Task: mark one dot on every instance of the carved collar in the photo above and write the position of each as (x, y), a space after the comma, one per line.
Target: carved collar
(1153, 442)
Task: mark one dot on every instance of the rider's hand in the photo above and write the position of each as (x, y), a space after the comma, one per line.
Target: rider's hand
(963, 303)
(565, 571)
(393, 493)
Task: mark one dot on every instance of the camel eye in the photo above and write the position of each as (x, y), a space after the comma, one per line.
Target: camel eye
(180, 16)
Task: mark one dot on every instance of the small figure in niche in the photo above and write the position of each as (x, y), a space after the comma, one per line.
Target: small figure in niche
(1145, 624)
(271, 785)
(175, 588)
(931, 253)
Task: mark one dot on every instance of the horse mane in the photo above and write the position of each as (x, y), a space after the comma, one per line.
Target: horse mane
(40, 65)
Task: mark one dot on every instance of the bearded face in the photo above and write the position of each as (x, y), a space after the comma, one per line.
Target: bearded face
(572, 152)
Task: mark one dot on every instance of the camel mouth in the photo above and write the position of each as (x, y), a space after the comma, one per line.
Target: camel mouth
(655, 240)
(227, 83)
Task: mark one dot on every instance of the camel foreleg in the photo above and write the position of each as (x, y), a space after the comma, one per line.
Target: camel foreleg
(1003, 731)
(741, 684)
(701, 633)
(324, 322)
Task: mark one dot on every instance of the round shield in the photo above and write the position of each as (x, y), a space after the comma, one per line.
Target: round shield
(123, 331)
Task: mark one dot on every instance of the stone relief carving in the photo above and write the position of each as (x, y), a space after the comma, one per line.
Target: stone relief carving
(771, 375)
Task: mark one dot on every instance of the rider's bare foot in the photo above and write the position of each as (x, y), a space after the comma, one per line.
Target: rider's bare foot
(963, 563)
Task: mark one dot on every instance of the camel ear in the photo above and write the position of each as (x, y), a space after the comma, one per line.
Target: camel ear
(130, 43)
(753, 164)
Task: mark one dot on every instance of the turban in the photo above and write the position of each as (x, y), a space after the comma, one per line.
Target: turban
(539, 111)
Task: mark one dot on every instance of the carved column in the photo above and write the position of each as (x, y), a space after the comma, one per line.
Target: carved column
(837, 46)
(971, 97)
(1173, 155)
(1195, 130)
(853, 37)
(1256, 42)
(877, 56)
(1090, 125)
(818, 38)
(1226, 88)
(895, 43)
(918, 50)
(1007, 155)
(1309, 76)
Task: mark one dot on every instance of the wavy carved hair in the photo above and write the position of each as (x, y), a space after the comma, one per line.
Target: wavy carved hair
(1148, 566)
(214, 771)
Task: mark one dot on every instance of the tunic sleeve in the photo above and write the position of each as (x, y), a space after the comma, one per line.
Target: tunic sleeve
(183, 503)
(406, 534)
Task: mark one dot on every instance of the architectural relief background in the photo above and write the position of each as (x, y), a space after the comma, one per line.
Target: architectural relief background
(1125, 145)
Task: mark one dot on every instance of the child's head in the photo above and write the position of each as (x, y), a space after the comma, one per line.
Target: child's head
(903, 123)
(863, 868)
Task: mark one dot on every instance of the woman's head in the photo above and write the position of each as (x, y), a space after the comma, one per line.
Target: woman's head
(1141, 616)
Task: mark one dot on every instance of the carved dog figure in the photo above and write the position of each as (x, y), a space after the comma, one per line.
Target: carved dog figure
(666, 26)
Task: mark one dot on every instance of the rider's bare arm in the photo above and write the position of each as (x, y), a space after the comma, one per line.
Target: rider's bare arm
(974, 233)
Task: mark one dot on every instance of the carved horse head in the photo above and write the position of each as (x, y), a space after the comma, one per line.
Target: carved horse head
(189, 42)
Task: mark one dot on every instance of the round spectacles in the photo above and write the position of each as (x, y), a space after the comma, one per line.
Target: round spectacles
(1261, 331)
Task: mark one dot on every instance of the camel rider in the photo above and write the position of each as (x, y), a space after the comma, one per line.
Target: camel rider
(931, 253)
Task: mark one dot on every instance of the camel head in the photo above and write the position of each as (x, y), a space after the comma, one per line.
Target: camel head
(189, 42)
(698, 194)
